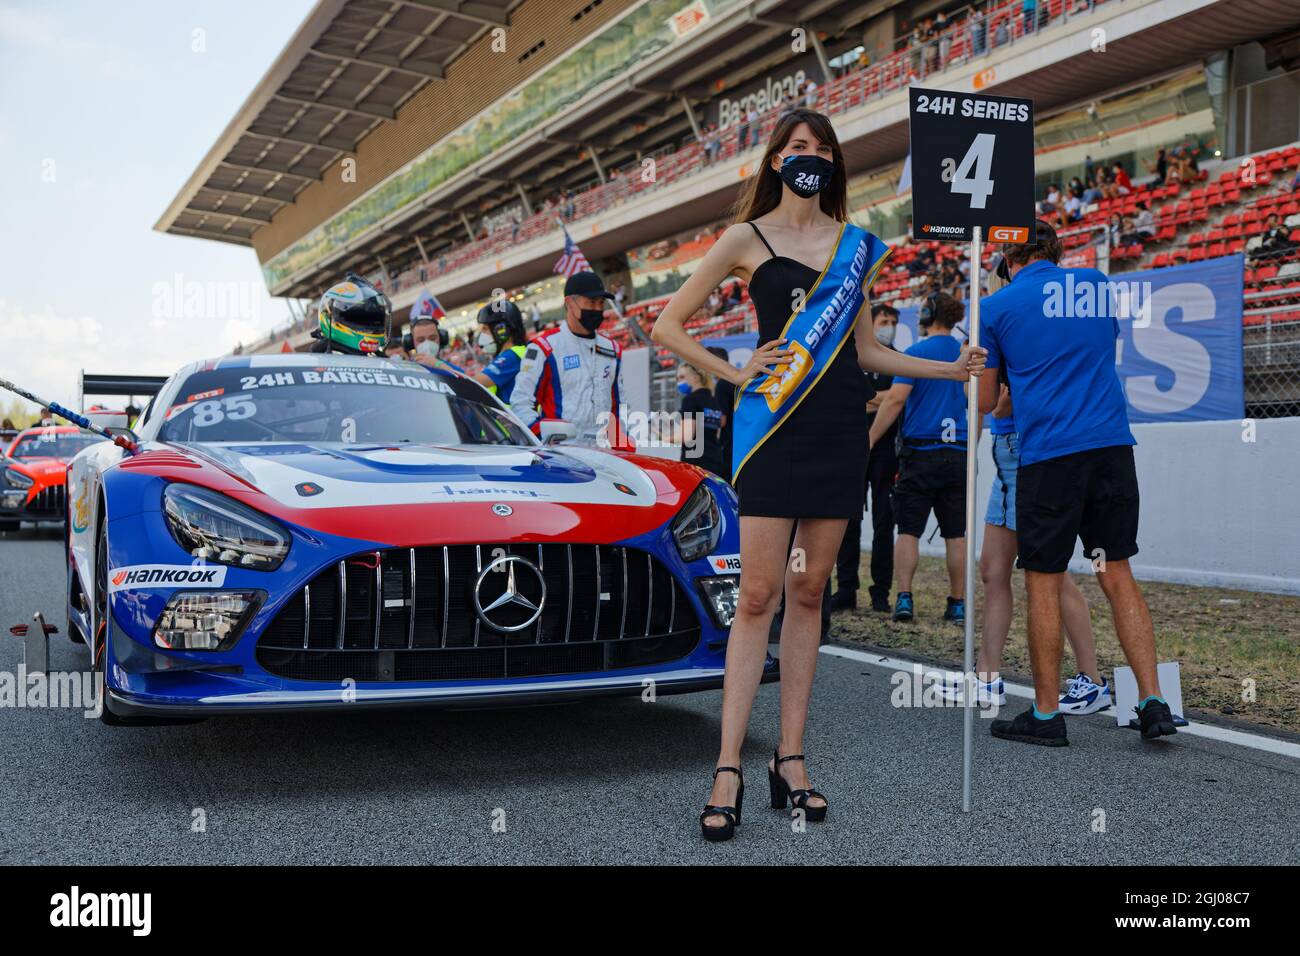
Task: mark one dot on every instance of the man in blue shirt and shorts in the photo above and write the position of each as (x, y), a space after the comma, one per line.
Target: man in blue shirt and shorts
(1054, 331)
(931, 458)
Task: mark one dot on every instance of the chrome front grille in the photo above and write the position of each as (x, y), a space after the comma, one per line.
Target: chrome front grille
(408, 614)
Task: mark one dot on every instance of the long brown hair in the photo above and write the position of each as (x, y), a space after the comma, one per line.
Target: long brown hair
(762, 191)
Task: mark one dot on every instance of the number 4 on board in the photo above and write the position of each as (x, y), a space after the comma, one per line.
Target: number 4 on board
(980, 156)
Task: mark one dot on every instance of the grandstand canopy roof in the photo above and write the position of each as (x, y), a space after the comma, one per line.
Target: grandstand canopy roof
(349, 67)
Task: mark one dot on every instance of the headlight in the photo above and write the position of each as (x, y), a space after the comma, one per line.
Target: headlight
(721, 594)
(16, 479)
(698, 525)
(205, 620)
(218, 529)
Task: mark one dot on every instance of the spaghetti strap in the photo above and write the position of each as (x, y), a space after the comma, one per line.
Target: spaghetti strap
(763, 238)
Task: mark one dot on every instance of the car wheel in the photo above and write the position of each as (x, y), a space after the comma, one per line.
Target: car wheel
(99, 648)
(99, 642)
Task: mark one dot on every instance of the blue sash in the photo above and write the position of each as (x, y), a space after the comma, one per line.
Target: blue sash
(815, 334)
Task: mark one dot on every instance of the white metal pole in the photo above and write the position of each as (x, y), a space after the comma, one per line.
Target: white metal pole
(972, 443)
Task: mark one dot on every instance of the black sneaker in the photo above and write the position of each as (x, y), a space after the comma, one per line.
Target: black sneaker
(880, 602)
(1156, 720)
(1028, 729)
(845, 599)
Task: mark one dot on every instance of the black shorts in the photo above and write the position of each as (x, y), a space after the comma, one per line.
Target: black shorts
(1091, 495)
(931, 480)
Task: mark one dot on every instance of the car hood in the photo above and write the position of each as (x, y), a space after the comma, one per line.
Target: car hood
(43, 468)
(334, 475)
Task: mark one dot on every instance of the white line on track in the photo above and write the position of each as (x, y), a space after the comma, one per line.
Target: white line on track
(1224, 734)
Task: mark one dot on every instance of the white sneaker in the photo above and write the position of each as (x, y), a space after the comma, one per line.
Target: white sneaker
(1083, 696)
(987, 694)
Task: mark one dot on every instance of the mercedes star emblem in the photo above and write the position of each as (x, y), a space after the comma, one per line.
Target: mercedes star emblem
(502, 511)
(516, 605)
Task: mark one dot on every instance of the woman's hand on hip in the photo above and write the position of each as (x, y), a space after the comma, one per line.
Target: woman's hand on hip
(768, 359)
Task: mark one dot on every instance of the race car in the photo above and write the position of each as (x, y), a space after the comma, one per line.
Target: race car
(33, 471)
(301, 532)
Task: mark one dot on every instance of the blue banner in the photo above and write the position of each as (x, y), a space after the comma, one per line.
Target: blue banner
(1179, 356)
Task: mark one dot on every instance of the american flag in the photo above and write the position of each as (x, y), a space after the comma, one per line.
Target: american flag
(573, 260)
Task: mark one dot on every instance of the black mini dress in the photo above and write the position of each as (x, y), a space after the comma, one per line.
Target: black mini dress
(815, 464)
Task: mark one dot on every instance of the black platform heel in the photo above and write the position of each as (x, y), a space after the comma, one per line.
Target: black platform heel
(732, 814)
(798, 799)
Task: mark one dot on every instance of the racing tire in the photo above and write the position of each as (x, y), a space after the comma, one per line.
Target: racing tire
(99, 648)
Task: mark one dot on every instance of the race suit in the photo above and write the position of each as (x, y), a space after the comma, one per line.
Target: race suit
(579, 380)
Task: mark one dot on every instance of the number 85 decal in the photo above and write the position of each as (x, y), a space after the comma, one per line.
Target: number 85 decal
(234, 408)
(980, 156)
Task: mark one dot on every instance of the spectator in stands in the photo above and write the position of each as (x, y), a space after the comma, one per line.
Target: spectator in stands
(742, 133)
(1071, 209)
(752, 124)
(1002, 32)
(1143, 226)
(932, 459)
(569, 207)
(979, 32)
(1094, 193)
(712, 144)
(1114, 230)
(809, 95)
(945, 38)
(1076, 187)
(1051, 202)
(1275, 241)
(1121, 177)
(1160, 167)
(701, 422)
(914, 44)
(1076, 473)
(1089, 169)
(1028, 11)
(1185, 157)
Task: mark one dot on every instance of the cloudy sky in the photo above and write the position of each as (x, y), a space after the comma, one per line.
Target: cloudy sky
(105, 110)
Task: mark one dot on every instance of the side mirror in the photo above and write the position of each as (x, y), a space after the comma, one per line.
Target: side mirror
(555, 430)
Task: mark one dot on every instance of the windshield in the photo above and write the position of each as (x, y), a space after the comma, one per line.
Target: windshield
(366, 403)
(52, 444)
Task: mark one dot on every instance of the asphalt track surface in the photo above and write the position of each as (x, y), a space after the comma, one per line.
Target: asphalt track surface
(615, 781)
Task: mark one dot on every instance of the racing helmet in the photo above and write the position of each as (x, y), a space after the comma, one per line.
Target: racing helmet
(504, 321)
(353, 317)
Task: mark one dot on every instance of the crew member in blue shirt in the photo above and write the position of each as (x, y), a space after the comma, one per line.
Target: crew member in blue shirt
(931, 457)
(502, 335)
(1054, 331)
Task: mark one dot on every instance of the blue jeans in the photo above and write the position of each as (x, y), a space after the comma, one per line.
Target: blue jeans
(1002, 496)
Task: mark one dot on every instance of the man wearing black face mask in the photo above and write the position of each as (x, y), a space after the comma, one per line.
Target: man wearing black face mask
(572, 372)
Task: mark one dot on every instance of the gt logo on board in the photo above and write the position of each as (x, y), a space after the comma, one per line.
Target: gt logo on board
(1008, 234)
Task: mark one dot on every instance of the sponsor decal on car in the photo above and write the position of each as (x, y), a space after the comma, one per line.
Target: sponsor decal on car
(81, 509)
(725, 563)
(139, 576)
